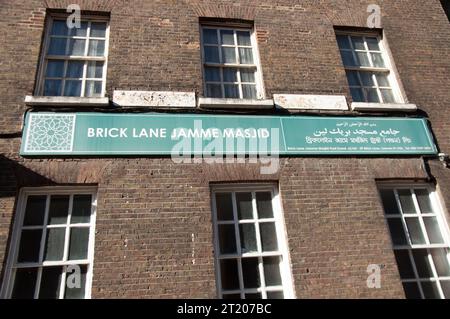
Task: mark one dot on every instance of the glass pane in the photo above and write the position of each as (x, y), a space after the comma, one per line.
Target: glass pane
(272, 271)
(352, 77)
(52, 87)
(244, 205)
(247, 75)
(76, 47)
(357, 95)
(24, 283)
(358, 43)
(372, 95)
(377, 60)
(98, 29)
(35, 211)
(76, 292)
(228, 55)
(248, 91)
(406, 201)
(79, 32)
(367, 78)
(59, 209)
(55, 69)
(75, 69)
(93, 88)
(250, 273)
(231, 296)
(212, 74)
(422, 263)
(57, 46)
(430, 290)
(253, 296)
(246, 55)
(382, 79)
(59, 27)
(268, 237)
(224, 206)
(445, 285)
(227, 37)
(441, 261)
(372, 43)
(433, 230)
(50, 283)
(404, 264)
(424, 201)
(229, 274)
(231, 91)
(264, 204)
(411, 290)
(79, 242)
(248, 238)
(212, 55)
(210, 36)
(363, 59)
(230, 75)
(95, 69)
(54, 244)
(213, 90)
(243, 38)
(389, 202)
(81, 211)
(388, 96)
(96, 48)
(30, 242)
(347, 58)
(343, 42)
(397, 232)
(227, 239)
(275, 295)
(415, 232)
(72, 88)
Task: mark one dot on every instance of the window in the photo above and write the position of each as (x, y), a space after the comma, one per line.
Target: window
(420, 239)
(369, 72)
(230, 63)
(75, 59)
(52, 245)
(251, 252)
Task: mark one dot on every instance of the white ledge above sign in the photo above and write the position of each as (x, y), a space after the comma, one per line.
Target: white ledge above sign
(310, 102)
(66, 101)
(154, 99)
(363, 106)
(219, 103)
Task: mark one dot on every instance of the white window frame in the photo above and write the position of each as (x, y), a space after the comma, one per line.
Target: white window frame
(283, 251)
(260, 91)
(8, 282)
(39, 90)
(389, 68)
(440, 214)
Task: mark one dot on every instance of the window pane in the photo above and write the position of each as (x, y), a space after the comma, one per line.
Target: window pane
(244, 205)
(357, 95)
(93, 88)
(363, 59)
(228, 55)
(422, 263)
(227, 37)
(377, 60)
(264, 204)
(81, 211)
(55, 69)
(212, 54)
(210, 36)
(441, 261)
(248, 238)
(372, 95)
(54, 244)
(352, 77)
(382, 79)
(98, 29)
(30, 242)
(224, 206)
(430, 290)
(250, 273)
(50, 283)
(246, 55)
(96, 48)
(433, 230)
(268, 237)
(411, 290)
(406, 201)
(445, 285)
(397, 232)
(367, 78)
(59, 209)
(72, 88)
(372, 43)
(415, 232)
(24, 283)
(213, 90)
(75, 69)
(272, 271)
(248, 91)
(227, 239)
(388, 96)
(95, 69)
(52, 87)
(77, 292)
(343, 42)
(358, 43)
(424, 201)
(81, 31)
(59, 27)
(229, 274)
(57, 46)
(347, 58)
(275, 295)
(212, 74)
(35, 211)
(231, 296)
(253, 296)
(230, 75)
(404, 264)
(231, 91)
(243, 38)
(247, 75)
(389, 202)
(76, 47)
(79, 242)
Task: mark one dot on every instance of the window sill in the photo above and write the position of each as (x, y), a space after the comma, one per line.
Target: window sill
(66, 101)
(235, 103)
(363, 106)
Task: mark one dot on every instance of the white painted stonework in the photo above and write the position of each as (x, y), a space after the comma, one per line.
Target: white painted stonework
(362, 106)
(310, 102)
(154, 98)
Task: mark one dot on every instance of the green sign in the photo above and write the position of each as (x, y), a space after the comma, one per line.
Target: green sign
(216, 135)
